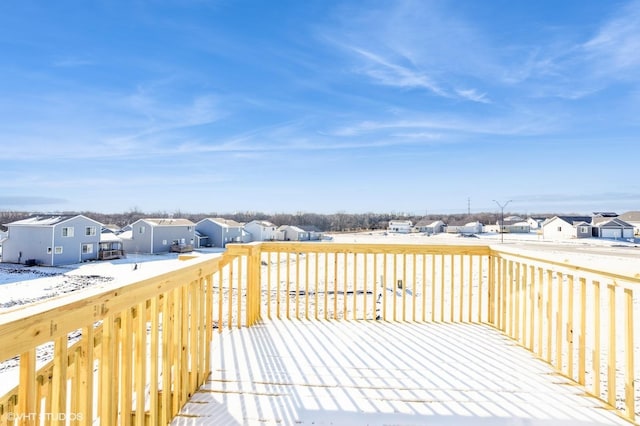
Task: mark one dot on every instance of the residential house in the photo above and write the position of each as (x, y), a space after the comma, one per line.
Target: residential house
(314, 233)
(566, 227)
(292, 233)
(52, 240)
(632, 218)
(535, 222)
(513, 225)
(261, 230)
(611, 227)
(219, 231)
(430, 227)
(400, 226)
(159, 236)
(465, 228)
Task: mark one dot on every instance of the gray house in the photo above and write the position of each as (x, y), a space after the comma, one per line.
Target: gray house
(221, 231)
(52, 240)
(566, 227)
(262, 230)
(632, 218)
(430, 227)
(313, 232)
(611, 227)
(292, 233)
(159, 236)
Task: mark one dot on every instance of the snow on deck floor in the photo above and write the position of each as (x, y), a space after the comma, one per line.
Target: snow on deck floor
(381, 373)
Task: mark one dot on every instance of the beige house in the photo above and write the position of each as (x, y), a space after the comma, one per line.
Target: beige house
(633, 219)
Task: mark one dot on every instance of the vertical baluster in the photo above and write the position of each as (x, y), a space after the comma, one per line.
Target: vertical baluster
(540, 288)
(355, 286)
(452, 287)
(629, 350)
(470, 290)
(532, 285)
(140, 367)
(611, 367)
(596, 339)
(559, 321)
(583, 332)
(433, 288)
(569, 329)
(126, 348)
(306, 285)
(424, 288)
(154, 348)
(549, 314)
(27, 386)
(442, 284)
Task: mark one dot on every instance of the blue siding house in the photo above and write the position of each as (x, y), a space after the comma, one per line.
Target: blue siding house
(222, 231)
(159, 236)
(52, 240)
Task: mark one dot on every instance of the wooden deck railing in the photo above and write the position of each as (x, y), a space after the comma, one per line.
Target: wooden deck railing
(151, 338)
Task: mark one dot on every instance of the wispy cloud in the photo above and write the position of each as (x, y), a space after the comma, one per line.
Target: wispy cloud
(388, 73)
(29, 200)
(72, 62)
(412, 45)
(517, 124)
(473, 95)
(614, 49)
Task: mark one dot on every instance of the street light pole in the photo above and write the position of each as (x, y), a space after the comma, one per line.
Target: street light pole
(502, 206)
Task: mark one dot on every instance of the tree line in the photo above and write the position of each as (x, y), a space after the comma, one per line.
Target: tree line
(335, 222)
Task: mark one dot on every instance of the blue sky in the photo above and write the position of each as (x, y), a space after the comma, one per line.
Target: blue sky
(320, 106)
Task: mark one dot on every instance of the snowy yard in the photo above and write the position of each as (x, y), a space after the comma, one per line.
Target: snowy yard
(20, 285)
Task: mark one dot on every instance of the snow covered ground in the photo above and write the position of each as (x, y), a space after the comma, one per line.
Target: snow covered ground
(20, 285)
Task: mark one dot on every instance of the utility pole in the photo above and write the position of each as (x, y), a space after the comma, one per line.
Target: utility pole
(469, 206)
(502, 206)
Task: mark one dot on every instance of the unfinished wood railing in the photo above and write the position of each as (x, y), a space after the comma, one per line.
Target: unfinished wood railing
(577, 318)
(128, 355)
(152, 337)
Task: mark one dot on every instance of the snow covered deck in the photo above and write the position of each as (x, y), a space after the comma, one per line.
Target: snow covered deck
(382, 373)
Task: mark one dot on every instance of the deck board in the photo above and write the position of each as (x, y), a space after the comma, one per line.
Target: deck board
(382, 373)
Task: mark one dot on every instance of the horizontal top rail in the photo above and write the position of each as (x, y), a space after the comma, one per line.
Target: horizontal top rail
(328, 247)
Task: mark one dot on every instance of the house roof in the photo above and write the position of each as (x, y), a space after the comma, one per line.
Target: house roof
(613, 223)
(574, 219)
(45, 220)
(606, 214)
(168, 222)
(264, 223)
(227, 223)
(309, 228)
(107, 237)
(632, 216)
(291, 227)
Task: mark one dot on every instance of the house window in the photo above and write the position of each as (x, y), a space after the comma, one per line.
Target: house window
(164, 242)
(141, 230)
(188, 228)
(559, 228)
(67, 231)
(90, 231)
(584, 229)
(87, 248)
(58, 250)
